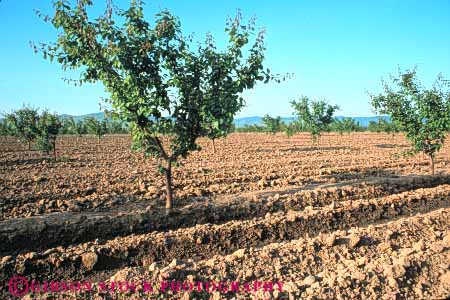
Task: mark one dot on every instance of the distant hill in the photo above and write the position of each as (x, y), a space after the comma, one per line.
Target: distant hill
(99, 116)
(255, 120)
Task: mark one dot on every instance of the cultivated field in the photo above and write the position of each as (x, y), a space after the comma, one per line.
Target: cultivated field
(348, 219)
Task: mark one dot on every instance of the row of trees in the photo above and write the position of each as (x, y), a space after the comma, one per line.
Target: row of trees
(69, 125)
(30, 125)
(422, 114)
(316, 117)
(94, 126)
(383, 125)
(172, 91)
(275, 124)
(91, 125)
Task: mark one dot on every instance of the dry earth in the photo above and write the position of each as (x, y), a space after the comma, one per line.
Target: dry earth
(350, 219)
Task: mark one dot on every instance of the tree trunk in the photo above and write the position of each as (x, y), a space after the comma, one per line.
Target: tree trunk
(214, 146)
(54, 150)
(432, 164)
(317, 142)
(168, 175)
(29, 145)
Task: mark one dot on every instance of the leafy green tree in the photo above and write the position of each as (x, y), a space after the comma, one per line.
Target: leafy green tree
(293, 127)
(290, 129)
(156, 80)
(70, 126)
(117, 127)
(78, 128)
(250, 128)
(315, 115)
(48, 126)
(273, 125)
(5, 128)
(423, 114)
(24, 124)
(96, 127)
(345, 125)
(220, 103)
(65, 125)
(383, 125)
(376, 126)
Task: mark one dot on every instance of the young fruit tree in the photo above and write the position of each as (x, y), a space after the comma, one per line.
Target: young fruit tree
(5, 128)
(220, 105)
(273, 125)
(383, 125)
(66, 125)
(293, 127)
(23, 123)
(315, 115)
(71, 126)
(423, 114)
(345, 125)
(48, 126)
(157, 81)
(96, 127)
(289, 129)
(117, 127)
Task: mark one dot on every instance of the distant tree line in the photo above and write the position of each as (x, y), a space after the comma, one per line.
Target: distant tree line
(100, 127)
(69, 125)
(94, 126)
(339, 125)
(91, 125)
(383, 125)
(30, 125)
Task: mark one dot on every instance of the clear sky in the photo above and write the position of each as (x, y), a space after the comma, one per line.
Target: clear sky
(337, 50)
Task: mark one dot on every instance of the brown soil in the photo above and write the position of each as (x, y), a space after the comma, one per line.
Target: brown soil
(350, 219)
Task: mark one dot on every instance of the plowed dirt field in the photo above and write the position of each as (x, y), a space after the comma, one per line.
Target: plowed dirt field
(263, 217)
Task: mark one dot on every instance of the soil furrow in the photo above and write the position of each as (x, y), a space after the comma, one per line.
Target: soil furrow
(39, 233)
(203, 241)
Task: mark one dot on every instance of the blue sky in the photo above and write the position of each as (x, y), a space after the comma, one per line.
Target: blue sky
(337, 50)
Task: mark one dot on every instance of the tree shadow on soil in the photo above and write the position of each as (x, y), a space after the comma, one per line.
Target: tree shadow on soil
(391, 146)
(31, 161)
(313, 148)
(366, 172)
